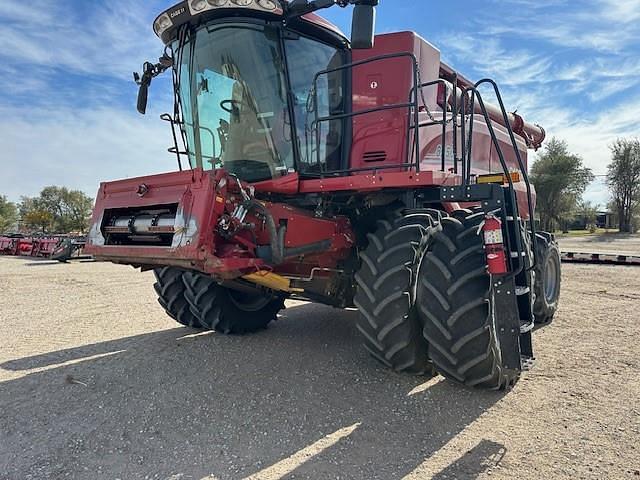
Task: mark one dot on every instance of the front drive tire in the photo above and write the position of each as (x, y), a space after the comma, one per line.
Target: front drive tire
(385, 295)
(455, 305)
(229, 311)
(547, 279)
(170, 289)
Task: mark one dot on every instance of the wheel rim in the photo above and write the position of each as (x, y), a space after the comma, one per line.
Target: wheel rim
(248, 302)
(550, 280)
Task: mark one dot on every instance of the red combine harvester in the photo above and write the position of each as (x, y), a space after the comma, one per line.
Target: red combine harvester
(360, 173)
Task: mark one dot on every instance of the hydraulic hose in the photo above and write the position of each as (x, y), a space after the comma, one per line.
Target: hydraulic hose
(277, 238)
(277, 248)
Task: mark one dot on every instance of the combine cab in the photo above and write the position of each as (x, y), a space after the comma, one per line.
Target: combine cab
(361, 173)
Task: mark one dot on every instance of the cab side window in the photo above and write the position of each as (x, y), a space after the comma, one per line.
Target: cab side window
(320, 144)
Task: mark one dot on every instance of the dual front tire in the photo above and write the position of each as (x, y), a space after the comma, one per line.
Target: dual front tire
(388, 323)
(456, 307)
(424, 279)
(195, 300)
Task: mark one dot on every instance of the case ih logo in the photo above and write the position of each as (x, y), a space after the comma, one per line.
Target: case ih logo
(177, 12)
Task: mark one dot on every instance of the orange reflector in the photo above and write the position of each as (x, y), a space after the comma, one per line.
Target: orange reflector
(500, 178)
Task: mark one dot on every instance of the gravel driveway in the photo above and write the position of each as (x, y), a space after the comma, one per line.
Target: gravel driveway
(97, 383)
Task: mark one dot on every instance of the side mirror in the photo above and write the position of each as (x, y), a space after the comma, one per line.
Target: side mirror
(143, 94)
(149, 71)
(363, 26)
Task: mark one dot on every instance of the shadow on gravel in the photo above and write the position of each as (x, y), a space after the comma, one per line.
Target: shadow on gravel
(299, 400)
(42, 263)
(484, 456)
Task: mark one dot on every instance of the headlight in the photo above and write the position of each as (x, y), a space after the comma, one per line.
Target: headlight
(162, 23)
(268, 4)
(198, 5)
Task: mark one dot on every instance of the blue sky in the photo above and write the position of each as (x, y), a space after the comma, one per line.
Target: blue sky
(67, 114)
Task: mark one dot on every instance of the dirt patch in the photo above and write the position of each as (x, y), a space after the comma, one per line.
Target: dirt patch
(96, 382)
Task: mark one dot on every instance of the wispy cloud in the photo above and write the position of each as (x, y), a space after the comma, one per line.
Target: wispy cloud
(67, 115)
(79, 148)
(68, 109)
(103, 38)
(605, 26)
(573, 67)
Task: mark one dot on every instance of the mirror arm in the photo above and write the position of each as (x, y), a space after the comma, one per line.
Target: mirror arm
(149, 72)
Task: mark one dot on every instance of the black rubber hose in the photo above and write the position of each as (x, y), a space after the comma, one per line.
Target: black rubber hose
(277, 238)
(277, 248)
(315, 247)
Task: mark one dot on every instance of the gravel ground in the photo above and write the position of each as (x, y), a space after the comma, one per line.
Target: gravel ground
(97, 383)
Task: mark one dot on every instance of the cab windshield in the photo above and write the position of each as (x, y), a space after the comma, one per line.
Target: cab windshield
(233, 96)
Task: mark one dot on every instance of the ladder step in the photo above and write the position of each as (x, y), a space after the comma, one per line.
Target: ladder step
(527, 362)
(526, 326)
(515, 254)
(522, 290)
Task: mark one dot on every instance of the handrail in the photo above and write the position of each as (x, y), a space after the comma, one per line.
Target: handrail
(412, 103)
(466, 180)
(523, 169)
(443, 122)
(338, 173)
(468, 163)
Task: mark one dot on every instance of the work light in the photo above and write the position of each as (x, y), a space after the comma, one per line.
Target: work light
(182, 13)
(198, 5)
(267, 4)
(162, 23)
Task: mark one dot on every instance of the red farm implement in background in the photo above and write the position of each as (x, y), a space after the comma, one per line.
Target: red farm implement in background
(362, 173)
(16, 245)
(55, 247)
(7, 245)
(44, 247)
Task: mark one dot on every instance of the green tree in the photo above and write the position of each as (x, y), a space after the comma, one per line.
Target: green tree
(8, 214)
(57, 209)
(34, 215)
(623, 178)
(70, 208)
(560, 179)
(589, 212)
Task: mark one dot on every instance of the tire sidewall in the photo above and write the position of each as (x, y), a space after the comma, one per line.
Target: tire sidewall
(545, 308)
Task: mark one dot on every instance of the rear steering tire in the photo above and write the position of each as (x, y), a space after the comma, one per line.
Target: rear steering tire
(228, 311)
(547, 279)
(455, 305)
(385, 295)
(170, 289)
